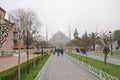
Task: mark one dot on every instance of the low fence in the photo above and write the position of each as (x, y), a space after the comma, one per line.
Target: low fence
(14, 52)
(99, 73)
(95, 71)
(100, 53)
(8, 52)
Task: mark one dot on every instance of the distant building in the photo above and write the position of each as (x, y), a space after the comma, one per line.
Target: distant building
(59, 40)
(6, 33)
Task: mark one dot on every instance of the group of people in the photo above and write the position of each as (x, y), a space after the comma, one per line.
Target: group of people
(83, 50)
(58, 51)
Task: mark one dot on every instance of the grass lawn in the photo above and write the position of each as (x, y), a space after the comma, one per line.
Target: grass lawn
(117, 53)
(34, 71)
(114, 70)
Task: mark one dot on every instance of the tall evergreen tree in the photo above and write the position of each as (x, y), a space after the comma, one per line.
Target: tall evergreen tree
(117, 36)
(75, 35)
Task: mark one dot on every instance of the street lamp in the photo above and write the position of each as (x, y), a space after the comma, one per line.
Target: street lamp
(15, 36)
(86, 44)
(17, 43)
(27, 43)
(111, 42)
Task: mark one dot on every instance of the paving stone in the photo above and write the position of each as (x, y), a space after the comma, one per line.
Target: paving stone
(62, 68)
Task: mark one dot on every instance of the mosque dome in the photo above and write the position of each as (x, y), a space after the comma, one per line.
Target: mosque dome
(59, 39)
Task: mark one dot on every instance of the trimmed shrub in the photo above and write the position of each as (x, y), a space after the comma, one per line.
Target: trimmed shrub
(12, 73)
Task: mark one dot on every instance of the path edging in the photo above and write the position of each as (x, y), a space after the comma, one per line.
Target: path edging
(99, 73)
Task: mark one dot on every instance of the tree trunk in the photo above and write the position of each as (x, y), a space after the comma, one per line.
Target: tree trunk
(105, 60)
(93, 46)
(118, 43)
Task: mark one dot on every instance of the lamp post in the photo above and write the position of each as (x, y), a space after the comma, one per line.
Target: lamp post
(111, 42)
(86, 44)
(15, 36)
(17, 42)
(20, 38)
(27, 43)
(27, 52)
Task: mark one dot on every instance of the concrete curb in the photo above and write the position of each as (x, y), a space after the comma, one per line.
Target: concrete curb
(90, 69)
(77, 61)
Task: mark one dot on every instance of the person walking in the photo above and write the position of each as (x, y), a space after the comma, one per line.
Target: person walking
(54, 50)
(58, 52)
(106, 50)
(62, 51)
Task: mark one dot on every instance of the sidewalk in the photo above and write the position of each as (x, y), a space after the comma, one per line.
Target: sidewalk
(111, 60)
(62, 68)
(7, 62)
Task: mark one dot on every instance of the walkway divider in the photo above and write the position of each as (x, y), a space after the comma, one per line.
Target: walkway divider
(41, 72)
(99, 73)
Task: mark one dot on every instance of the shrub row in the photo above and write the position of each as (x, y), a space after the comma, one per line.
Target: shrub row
(34, 71)
(12, 73)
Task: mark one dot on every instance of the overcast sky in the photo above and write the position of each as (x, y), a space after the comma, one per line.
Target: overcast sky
(57, 15)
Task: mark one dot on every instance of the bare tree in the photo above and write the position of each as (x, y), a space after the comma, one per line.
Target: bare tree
(27, 20)
(105, 44)
(28, 24)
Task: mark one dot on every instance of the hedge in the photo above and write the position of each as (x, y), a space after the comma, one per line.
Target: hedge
(12, 73)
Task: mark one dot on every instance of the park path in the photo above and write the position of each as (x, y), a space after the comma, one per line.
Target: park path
(63, 68)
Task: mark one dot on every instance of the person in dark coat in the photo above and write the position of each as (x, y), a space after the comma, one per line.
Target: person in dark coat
(58, 52)
(106, 50)
(62, 51)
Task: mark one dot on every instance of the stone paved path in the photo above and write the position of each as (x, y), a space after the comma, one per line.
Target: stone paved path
(62, 68)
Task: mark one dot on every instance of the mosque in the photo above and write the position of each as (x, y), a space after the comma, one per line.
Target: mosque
(59, 40)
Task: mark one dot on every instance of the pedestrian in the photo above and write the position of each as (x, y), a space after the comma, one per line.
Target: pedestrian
(84, 51)
(106, 50)
(54, 50)
(77, 50)
(62, 51)
(58, 52)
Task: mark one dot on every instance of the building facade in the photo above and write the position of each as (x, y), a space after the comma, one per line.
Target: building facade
(6, 32)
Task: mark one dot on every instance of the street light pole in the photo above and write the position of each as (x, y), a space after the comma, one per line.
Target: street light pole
(17, 36)
(20, 38)
(86, 44)
(27, 46)
(111, 42)
(19, 59)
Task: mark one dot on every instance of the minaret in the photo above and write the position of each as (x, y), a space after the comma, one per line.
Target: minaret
(46, 34)
(85, 34)
(69, 28)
